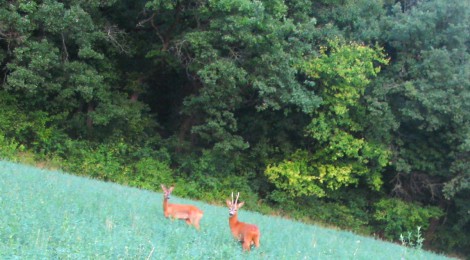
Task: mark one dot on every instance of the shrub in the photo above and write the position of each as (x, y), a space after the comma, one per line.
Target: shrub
(150, 173)
(9, 148)
(332, 212)
(395, 217)
(34, 130)
(101, 162)
(213, 176)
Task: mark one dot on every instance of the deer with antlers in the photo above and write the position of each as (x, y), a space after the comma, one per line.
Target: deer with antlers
(191, 214)
(247, 234)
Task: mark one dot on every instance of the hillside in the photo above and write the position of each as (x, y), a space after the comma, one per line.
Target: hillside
(49, 214)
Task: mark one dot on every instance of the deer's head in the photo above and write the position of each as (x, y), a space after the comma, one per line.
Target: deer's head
(234, 205)
(167, 192)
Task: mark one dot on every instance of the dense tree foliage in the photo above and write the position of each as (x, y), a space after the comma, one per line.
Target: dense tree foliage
(426, 92)
(339, 154)
(353, 112)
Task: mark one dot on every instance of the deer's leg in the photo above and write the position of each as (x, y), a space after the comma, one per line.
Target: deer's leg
(195, 222)
(256, 240)
(246, 245)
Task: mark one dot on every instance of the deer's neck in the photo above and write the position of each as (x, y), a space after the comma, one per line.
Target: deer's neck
(165, 204)
(233, 220)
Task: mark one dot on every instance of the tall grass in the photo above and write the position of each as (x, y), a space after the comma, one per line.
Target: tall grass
(50, 215)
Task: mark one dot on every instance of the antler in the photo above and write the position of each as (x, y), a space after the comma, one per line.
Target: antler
(236, 200)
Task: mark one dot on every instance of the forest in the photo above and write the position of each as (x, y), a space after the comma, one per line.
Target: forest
(353, 114)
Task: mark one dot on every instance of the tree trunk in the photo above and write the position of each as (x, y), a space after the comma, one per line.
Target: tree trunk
(89, 120)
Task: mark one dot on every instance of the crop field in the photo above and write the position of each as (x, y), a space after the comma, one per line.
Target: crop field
(52, 215)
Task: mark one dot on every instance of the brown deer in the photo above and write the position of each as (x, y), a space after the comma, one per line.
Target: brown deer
(247, 234)
(190, 213)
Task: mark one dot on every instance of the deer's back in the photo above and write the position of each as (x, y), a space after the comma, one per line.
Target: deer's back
(183, 211)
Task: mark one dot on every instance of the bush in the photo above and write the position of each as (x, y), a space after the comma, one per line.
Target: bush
(9, 148)
(34, 130)
(213, 176)
(336, 213)
(149, 174)
(105, 161)
(119, 162)
(395, 217)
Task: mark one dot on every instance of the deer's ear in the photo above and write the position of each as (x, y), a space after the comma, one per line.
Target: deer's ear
(163, 187)
(171, 188)
(229, 203)
(241, 204)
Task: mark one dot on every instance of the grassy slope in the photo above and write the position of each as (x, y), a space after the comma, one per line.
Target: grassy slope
(48, 214)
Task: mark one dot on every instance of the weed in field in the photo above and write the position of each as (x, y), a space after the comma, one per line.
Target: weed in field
(413, 240)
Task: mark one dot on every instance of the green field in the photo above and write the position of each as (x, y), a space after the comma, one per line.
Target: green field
(51, 215)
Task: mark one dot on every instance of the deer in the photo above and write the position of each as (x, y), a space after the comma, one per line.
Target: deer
(247, 234)
(191, 214)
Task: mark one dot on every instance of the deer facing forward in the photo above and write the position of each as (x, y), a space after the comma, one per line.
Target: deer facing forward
(246, 233)
(190, 213)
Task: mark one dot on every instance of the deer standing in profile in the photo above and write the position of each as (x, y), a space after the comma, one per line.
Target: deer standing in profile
(246, 233)
(190, 213)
